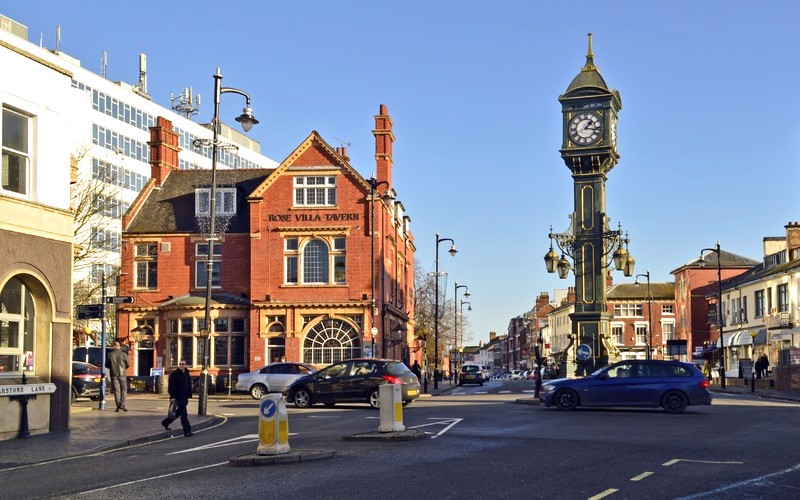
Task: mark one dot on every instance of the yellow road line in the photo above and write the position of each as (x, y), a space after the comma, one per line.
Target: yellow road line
(604, 494)
(641, 476)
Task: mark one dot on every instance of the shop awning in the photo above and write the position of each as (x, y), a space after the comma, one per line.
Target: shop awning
(744, 337)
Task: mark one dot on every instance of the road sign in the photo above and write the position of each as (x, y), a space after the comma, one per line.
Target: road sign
(119, 300)
(89, 311)
(583, 352)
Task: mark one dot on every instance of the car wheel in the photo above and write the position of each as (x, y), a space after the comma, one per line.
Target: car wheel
(674, 402)
(374, 399)
(460, 384)
(481, 384)
(258, 391)
(566, 399)
(302, 398)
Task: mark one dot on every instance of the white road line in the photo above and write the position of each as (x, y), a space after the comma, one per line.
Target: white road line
(441, 421)
(758, 479)
(603, 494)
(504, 392)
(641, 476)
(247, 438)
(676, 460)
(145, 479)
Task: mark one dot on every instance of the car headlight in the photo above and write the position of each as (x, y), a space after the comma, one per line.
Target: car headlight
(547, 388)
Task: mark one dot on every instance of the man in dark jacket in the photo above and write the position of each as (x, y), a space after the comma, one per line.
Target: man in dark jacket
(179, 387)
(117, 364)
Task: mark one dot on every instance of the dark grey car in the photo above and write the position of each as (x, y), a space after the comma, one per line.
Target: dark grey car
(353, 380)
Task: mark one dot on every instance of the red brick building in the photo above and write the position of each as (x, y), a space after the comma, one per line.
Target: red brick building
(313, 262)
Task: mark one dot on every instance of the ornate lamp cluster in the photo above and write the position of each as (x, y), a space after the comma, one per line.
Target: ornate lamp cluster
(615, 243)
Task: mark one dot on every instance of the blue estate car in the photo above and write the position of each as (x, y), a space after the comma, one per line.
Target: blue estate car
(673, 385)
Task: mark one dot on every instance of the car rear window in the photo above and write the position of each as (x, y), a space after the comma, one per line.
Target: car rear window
(470, 369)
(396, 368)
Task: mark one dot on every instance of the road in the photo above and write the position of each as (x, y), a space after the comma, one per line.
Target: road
(481, 444)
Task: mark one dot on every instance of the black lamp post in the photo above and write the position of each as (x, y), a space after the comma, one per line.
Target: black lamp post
(453, 252)
(649, 314)
(455, 319)
(718, 251)
(374, 184)
(247, 120)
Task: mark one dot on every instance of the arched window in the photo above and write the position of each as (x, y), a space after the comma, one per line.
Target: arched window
(315, 262)
(330, 341)
(17, 320)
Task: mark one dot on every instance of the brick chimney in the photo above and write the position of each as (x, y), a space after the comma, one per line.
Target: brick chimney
(163, 150)
(792, 240)
(570, 295)
(384, 138)
(542, 300)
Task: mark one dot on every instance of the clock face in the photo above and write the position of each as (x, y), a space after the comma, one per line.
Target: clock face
(585, 128)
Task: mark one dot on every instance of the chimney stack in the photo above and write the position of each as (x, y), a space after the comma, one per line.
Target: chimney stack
(384, 138)
(163, 150)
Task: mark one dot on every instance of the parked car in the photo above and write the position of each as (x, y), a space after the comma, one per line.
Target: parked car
(549, 371)
(353, 380)
(516, 374)
(470, 374)
(276, 377)
(673, 385)
(86, 381)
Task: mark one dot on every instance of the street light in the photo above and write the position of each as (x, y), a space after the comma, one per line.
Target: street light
(453, 252)
(753, 335)
(718, 251)
(374, 184)
(247, 120)
(458, 359)
(455, 314)
(649, 314)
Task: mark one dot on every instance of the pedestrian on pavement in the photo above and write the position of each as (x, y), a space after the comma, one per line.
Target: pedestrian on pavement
(416, 370)
(707, 370)
(764, 365)
(117, 364)
(179, 387)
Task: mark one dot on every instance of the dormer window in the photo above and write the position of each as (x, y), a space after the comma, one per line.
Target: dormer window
(226, 201)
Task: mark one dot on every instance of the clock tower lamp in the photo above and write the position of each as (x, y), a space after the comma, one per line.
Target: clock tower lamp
(589, 149)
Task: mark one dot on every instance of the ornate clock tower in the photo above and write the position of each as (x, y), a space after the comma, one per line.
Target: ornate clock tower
(589, 150)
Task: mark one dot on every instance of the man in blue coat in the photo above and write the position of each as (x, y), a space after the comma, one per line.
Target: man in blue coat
(179, 387)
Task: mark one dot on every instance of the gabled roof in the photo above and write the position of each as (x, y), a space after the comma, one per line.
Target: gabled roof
(727, 260)
(295, 160)
(171, 208)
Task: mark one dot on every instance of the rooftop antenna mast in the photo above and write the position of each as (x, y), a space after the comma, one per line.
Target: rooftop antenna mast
(104, 64)
(186, 103)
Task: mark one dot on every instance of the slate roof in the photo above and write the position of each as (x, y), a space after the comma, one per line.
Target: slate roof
(632, 291)
(727, 260)
(170, 208)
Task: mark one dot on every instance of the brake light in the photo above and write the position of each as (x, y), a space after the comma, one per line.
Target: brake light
(393, 379)
(88, 376)
(704, 384)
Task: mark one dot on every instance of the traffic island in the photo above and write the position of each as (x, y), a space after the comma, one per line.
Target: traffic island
(405, 435)
(254, 459)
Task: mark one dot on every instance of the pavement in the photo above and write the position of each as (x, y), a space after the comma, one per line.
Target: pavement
(94, 430)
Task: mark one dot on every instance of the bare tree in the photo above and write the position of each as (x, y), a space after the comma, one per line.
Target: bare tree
(98, 210)
(424, 304)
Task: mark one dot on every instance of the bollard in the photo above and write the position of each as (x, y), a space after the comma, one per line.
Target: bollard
(273, 426)
(391, 398)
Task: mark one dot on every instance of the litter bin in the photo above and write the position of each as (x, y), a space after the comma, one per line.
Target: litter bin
(160, 384)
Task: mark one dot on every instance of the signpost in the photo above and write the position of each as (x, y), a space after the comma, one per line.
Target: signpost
(90, 311)
(583, 352)
(119, 300)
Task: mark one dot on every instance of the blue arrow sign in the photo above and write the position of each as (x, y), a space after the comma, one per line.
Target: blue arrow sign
(583, 352)
(268, 408)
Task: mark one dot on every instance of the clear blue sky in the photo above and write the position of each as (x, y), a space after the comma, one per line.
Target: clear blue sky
(708, 133)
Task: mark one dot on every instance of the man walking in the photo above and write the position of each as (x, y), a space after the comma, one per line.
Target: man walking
(117, 364)
(179, 387)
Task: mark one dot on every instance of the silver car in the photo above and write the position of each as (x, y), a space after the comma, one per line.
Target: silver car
(276, 377)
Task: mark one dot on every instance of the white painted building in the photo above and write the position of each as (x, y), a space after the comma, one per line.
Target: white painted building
(107, 137)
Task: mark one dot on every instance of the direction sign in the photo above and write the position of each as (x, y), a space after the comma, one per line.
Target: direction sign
(89, 311)
(583, 352)
(119, 300)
